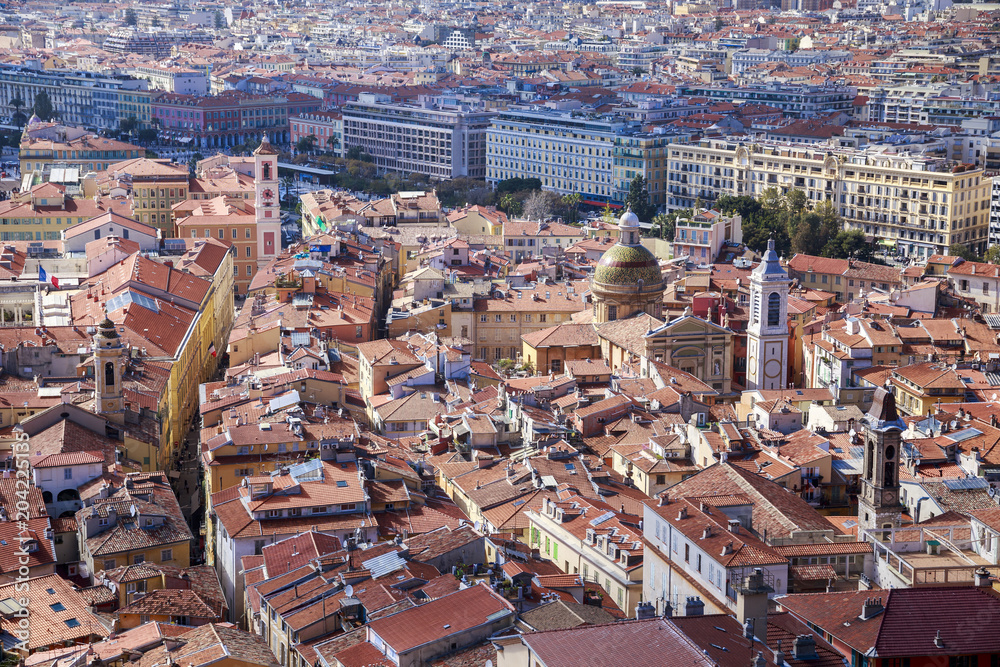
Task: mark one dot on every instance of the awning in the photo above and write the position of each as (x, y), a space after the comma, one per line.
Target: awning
(185, 140)
(889, 243)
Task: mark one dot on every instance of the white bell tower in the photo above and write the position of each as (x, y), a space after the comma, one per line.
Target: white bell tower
(767, 333)
(268, 209)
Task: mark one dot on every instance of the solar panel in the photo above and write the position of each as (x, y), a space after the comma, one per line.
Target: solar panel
(601, 519)
(384, 564)
(967, 484)
(965, 434)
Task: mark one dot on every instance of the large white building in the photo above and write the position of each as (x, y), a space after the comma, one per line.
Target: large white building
(429, 137)
(917, 204)
(568, 150)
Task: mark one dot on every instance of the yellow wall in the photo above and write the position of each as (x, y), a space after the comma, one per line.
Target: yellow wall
(181, 557)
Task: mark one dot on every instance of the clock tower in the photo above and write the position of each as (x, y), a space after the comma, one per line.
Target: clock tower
(767, 332)
(268, 209)
(878, 504)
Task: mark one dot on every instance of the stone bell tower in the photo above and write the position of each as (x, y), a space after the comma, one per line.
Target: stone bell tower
(108, 396)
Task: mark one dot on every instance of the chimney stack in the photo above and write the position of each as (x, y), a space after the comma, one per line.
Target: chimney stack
(804, 648)
(694, 606)
(871, 607)
(645, 610)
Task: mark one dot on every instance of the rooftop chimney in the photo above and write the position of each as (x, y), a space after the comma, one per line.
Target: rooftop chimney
(982, 577)
(645, 610)
(694, 606)
(871, 607)
(804, 648)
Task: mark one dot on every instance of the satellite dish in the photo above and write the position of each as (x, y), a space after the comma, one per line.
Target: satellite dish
(994, 397)
(349, 591)
(478, 526)
(489, 663)
(992, 492)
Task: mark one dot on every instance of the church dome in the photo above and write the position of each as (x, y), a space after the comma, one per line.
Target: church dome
(627, 265)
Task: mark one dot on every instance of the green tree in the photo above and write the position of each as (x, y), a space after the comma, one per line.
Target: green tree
(126, 126)
(519, 185)
(608, 214)
(149, 135)
(638, 71)
(572, 204)
(960, 250)
(510, 204)
(744, 205)
(218, 20)
(156, 23)
(333, 143)
(806, 237)
(992, 254)
(356, 153)
(130, 17)
(638, 199)
(306, 144)
(43, 106)
(18, 119)
(848, 244)
(664, 223)
(193, 162)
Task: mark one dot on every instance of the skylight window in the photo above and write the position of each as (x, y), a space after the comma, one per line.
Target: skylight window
(72, 623)
(129, 297)
(58, 606)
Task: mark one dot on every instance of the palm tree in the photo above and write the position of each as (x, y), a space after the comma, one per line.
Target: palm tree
(18, 118)
(333, 143)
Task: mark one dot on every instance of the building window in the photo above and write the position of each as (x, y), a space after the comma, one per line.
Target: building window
(68, 473)
(166, 555)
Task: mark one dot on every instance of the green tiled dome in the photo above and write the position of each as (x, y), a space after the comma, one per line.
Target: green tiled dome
(626, 265)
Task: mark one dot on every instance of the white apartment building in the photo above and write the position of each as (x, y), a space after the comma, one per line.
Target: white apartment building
(994, 233)
(569, 150)
(918, 204)
(699, 548)
(440, 140)
(173, 78)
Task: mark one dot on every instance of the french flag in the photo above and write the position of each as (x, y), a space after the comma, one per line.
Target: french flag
(44, 277)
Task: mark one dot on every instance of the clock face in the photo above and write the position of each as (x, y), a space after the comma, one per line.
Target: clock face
(267, 194)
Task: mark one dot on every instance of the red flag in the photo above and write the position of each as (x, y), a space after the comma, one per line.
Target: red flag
(54, 281)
